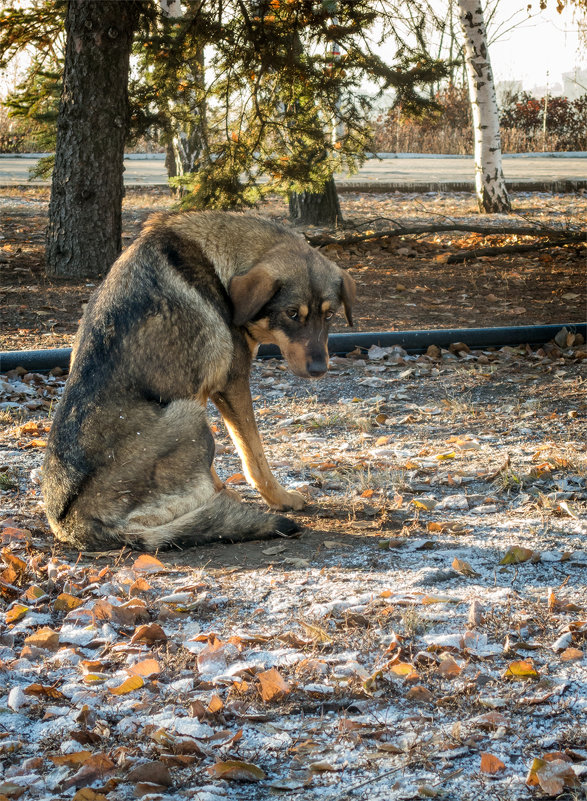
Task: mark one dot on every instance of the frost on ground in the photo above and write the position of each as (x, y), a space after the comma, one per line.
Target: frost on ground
(426, 638)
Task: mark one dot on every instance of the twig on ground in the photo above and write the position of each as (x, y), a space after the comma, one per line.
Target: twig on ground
(434, 229)
(474, 253)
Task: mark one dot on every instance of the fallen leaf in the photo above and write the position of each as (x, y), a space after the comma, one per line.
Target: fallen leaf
(66, 602)
(491, 764)
(147, 564)
(44, 691)
(521, 669)
(146, 668)
(448, 667)
(95, 767)
(552, 776)
(273, 685)
(516, 554)
(72, 760)
(149, 633)
(16, 613)
(571, 655)
(235, 770)
(151, 772)
(44, 638)
(317, 633)
(128, 685)
(464, 568)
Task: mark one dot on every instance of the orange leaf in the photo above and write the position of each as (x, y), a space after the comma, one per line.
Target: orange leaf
(448, 667)
(491, 764)
(149, 633)
(146, 668)
(44, 638)
(236, 771)
(273, 685)
(571, 655)
(71, 760)
(147, 564)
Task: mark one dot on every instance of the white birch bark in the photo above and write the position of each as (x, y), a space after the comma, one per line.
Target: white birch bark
(187, 143)
(492, 195)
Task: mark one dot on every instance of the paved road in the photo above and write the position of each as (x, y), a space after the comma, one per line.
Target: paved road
(401, 172)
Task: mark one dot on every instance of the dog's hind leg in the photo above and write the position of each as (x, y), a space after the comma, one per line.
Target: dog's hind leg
(159, 489)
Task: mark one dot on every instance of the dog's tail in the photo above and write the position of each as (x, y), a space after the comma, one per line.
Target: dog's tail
(221, 519)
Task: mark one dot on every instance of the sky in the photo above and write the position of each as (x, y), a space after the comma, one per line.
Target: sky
(549, 42)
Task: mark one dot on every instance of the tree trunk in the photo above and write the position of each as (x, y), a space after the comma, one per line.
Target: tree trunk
(490, 185)
(316, 208)
(84, 232)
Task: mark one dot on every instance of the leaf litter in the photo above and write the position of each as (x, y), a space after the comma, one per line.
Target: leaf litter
(426, 637)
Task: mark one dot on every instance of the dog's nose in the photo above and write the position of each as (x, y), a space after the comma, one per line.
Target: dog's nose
(316, 367)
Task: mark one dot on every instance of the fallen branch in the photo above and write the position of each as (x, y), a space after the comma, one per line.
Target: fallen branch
(473, 253)
(487, 230)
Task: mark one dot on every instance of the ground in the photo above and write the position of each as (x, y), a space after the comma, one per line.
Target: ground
(425, 637)
(402, 283)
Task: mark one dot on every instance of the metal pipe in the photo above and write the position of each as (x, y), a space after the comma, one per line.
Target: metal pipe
(341, 344)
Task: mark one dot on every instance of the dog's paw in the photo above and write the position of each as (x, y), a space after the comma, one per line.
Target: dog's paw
(288, 500)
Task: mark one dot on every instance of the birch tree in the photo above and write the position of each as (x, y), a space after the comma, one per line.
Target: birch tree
(492, 195)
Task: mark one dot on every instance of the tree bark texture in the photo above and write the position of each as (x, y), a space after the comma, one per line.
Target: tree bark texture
(316, 208)
(492, 195)
(84, 231)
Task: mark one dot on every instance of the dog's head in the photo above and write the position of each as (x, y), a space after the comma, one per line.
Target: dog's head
(288, 299)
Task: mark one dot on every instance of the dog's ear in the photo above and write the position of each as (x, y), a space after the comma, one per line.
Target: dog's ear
(348, 294)
(250, 292)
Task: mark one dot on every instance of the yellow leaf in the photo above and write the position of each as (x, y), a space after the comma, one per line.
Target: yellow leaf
(236, 771)
(66, 602)
(424, 503)
(516, 554)
(444, 456)
(17, 612)
(95, 678)
(34, 592)
(273, 685)
(521, 669)
(128, 685)
(404, 669)
(317, 633)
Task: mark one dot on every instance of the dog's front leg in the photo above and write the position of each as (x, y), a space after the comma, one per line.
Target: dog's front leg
(236, 407)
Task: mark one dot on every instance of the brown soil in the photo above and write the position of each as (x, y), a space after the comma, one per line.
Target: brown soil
(402, 281)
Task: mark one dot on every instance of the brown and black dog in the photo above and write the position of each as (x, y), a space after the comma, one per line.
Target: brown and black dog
(176, 321)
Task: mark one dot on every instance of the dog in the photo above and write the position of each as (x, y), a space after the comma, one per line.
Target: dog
(176, 322)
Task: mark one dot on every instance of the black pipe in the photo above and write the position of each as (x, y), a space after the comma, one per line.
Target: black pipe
(341, 344)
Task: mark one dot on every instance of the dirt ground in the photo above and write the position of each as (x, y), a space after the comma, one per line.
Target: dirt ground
(425, 637)
(402, 282)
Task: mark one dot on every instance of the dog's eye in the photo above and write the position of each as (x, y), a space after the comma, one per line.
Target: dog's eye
(329, 315)
(292, 314)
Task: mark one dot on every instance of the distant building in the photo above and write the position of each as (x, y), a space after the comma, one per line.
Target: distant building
(575, 84)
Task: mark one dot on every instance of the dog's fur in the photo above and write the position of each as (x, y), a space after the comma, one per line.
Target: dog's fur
(175, 322)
